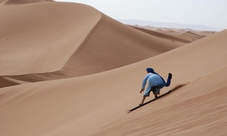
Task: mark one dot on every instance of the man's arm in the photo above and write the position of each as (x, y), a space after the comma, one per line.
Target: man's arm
(141, 90)
(144, 83)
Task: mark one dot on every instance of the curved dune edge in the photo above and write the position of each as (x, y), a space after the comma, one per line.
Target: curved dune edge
(97, 104)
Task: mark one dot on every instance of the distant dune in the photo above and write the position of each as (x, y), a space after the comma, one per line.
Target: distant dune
(68, 69)
(193, 35)
(165, 35)
(170, 25)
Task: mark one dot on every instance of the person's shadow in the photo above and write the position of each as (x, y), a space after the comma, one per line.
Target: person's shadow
(170, 91)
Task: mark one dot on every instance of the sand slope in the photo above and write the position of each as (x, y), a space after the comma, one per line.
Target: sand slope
(97, 104)
(83, 105)
(198, 108)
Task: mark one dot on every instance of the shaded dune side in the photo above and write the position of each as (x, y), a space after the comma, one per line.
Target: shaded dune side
(82, 105)
(4, 82)
(41, 37)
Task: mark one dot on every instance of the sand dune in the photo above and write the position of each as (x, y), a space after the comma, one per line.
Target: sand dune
(106, 63)
(189, 36)
(83, 105)
(177, 31)
(95, 44)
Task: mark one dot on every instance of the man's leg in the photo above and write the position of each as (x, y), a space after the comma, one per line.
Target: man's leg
(155, 91)
(155, 95)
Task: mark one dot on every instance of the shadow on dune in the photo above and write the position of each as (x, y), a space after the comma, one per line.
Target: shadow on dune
(5, 83)
(161, 96)
(177, 87)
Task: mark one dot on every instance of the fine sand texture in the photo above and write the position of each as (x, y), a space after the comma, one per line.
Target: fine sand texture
(66, 69)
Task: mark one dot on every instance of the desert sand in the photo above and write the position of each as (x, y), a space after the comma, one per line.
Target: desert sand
(66, 69)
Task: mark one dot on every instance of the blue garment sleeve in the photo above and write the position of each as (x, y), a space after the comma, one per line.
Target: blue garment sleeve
(145, 81)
